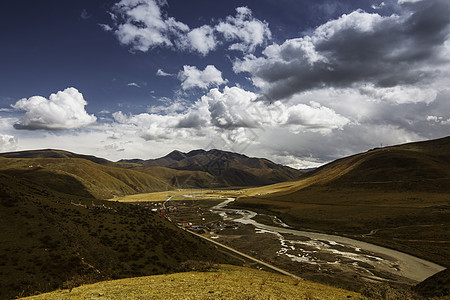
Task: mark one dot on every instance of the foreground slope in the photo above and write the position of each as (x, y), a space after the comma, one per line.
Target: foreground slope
(228, 282)
(395, 196)
(51, 238)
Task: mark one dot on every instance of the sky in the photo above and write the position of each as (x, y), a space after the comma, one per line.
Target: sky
(300, 82)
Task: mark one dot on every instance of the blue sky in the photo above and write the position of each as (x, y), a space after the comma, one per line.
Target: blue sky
(298, 82)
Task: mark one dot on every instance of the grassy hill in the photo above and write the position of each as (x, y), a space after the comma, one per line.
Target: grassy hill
(52, 153)
(50, 239)
(394, 196)
(227, 282)
(176, 178)
(78, 176)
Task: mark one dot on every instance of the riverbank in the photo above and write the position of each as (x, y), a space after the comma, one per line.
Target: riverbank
(324, 250)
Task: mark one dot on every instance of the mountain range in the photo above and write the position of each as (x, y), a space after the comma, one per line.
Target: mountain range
(89, 175)
(228, 168)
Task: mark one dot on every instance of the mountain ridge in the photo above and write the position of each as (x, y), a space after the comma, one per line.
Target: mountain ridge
(232, 169)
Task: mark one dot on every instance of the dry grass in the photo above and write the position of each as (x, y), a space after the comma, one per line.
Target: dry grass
(229, 282)
(182, 194)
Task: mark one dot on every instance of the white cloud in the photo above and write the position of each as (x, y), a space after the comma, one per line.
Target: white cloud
(142, 25)
(245, 31)
(105, 27)
(134, 84)
(233, 116)
(7, 143)
(154, 127)
(161, 72)
(63, 110)
(192, 77)
(297, 162)
(438, 120)
(145, 27)
(379, 6)
(202, 39)
(231, 108)
(314, 118)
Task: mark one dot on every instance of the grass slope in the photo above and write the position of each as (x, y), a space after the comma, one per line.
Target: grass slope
(176, 178)
(228, 282)
(81, 177)
(52, 240)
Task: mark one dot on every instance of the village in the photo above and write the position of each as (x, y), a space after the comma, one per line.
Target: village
(192, 215)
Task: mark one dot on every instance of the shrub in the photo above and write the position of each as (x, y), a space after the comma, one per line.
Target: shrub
(386, 292)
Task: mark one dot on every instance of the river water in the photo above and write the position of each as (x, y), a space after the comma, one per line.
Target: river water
(342, 248)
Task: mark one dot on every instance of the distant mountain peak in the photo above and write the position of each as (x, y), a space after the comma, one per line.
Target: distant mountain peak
(176, 155)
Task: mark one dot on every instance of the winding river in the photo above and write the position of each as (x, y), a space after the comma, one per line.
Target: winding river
(385, 259)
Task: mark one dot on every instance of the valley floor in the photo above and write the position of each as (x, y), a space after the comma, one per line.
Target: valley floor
(310, 257)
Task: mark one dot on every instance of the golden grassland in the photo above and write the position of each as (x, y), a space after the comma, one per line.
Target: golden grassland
(228, 282)
(181, 194)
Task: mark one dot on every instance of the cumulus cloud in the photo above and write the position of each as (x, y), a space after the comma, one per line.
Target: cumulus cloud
(315, 118)
(202, 39)
(7, 142)
(152, 126)
(63, 110)
(234, 115)
(143, 25)
(192, 77)
(359, 47)
(246, 30)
